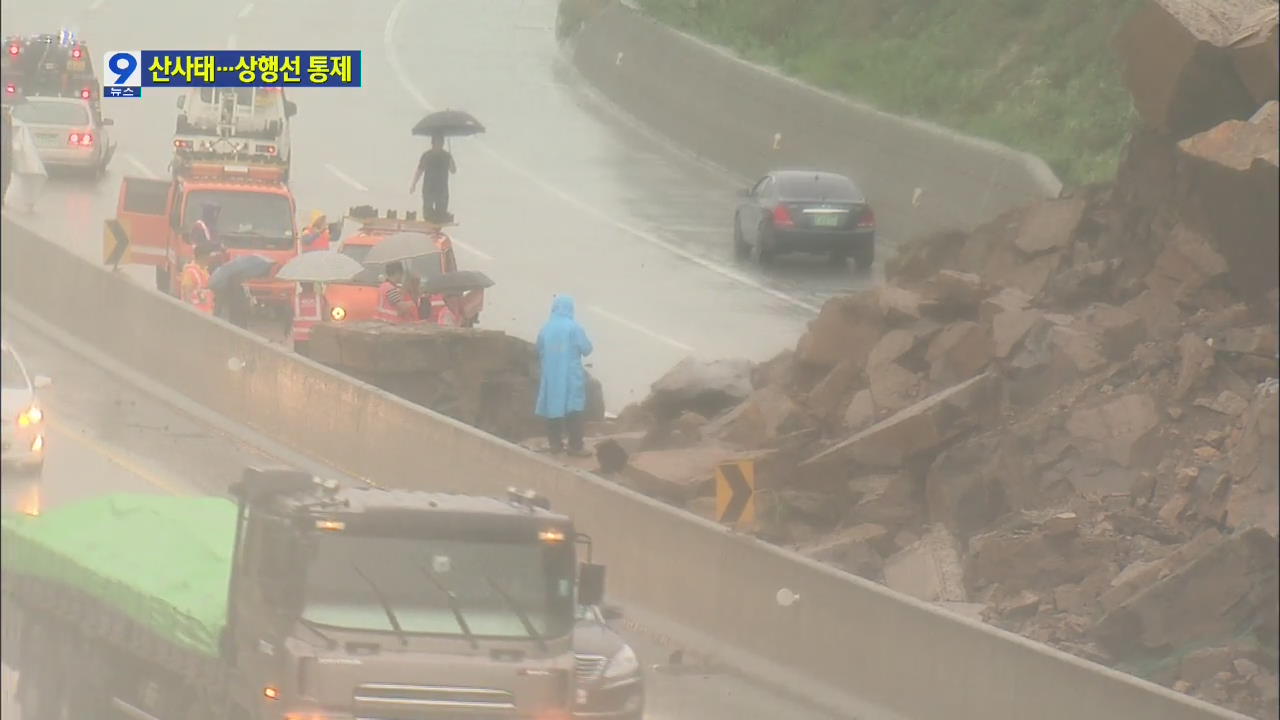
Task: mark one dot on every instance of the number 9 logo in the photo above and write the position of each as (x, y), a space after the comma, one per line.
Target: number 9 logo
(124, 65)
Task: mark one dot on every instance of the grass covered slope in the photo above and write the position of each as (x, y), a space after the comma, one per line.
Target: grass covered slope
(1038, 75)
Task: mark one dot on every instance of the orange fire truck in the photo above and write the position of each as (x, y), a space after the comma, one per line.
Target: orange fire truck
(358, 233)
(256, 216)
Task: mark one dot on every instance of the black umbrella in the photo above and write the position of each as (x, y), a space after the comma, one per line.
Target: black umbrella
(448, 123)
(454, 282)
(238, 270)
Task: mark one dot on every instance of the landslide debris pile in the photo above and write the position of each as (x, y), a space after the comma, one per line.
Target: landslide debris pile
(484, 378)
(1063, 422)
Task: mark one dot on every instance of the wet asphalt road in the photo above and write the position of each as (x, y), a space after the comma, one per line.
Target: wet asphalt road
(562, 195)
(107, 436)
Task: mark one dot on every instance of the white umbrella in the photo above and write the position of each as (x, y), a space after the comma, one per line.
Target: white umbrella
(401, 246)
(320, 266)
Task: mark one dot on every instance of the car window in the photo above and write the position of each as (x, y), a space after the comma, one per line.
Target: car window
(13, 377)
(828, 187)
(51, 113)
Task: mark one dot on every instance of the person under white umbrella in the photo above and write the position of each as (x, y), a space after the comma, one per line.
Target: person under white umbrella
(29, 174)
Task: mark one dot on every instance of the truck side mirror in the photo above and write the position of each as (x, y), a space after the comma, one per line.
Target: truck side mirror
(290, 108)
(590, 584)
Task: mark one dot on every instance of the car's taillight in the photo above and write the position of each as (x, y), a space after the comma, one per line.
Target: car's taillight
(182, 144)
(868, 220)
(84, 139)
(77, 52)
(782, 217)
(15, 49)
(85, 94)
(10, 89)
(268, 149)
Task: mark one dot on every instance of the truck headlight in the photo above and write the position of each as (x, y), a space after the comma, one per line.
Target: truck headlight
(338, 313)
(624, 662)
(31, 416)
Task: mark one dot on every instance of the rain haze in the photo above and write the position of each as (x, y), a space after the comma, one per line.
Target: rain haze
(648, 360)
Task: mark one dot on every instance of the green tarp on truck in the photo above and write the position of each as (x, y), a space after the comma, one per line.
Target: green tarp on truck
(163, 561)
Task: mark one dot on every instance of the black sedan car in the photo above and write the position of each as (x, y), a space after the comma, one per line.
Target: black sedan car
(610, 682)
(805, 211)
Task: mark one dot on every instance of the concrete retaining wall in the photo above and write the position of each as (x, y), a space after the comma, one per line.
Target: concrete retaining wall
(728, 111)
(847, 637)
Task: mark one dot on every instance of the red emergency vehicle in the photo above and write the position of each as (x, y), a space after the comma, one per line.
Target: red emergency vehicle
(359, 233)
(256, 216)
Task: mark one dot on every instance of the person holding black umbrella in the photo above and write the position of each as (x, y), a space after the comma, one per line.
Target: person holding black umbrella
(434, 168)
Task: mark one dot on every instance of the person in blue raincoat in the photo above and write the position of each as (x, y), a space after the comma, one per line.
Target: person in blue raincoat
(562, 392)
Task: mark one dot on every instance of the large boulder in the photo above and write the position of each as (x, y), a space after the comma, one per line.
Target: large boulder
(1230, 183)
(1122, 430)
(921, 428)
(959, 352)
(484, 378)
(1179, 67)
(846, 328)
(1050, 225)
(767, 413)
(705, 387)
(965, 486)
(1021, 559)
(1230, 587)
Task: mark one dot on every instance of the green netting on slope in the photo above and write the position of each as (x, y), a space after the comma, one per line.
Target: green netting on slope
(163, 561)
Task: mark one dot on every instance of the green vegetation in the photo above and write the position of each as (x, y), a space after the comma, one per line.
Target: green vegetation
(1038, 75)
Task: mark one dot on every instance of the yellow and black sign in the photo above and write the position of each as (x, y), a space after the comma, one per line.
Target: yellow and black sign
(115, 243)
(736, 492)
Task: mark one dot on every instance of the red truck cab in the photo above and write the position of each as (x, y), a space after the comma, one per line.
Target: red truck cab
(358, 299)
(256, 217)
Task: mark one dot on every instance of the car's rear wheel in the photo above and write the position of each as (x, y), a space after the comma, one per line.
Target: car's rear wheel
(864, 254)
(741, 249)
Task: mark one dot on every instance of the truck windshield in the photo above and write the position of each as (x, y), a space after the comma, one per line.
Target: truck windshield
(538, 579)
(247, 220)
(425, 266)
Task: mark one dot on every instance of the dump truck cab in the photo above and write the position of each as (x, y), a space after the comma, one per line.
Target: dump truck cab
(375, 603)
(256, 217)
(358, 233)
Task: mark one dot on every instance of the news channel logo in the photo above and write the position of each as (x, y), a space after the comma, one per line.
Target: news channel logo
(127, 72)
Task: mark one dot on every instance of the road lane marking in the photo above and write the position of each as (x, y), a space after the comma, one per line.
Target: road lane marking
(403, 78)
(244, 11)
(115, 457)
(345, 178)
(138, 164)
(471, 249)
(640, 328)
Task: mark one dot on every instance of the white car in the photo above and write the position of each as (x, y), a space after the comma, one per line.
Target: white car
(24, 422)
(68, 132)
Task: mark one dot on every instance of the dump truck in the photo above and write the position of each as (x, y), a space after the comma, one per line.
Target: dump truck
(298, 599)
(50, 65)
(256, 216)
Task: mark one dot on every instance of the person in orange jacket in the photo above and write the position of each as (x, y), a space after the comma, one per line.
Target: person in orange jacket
(195, 280)
(316, 235)
(442, 314)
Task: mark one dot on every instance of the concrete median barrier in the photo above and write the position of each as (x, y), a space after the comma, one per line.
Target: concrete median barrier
(847, 641)
(730, 112)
